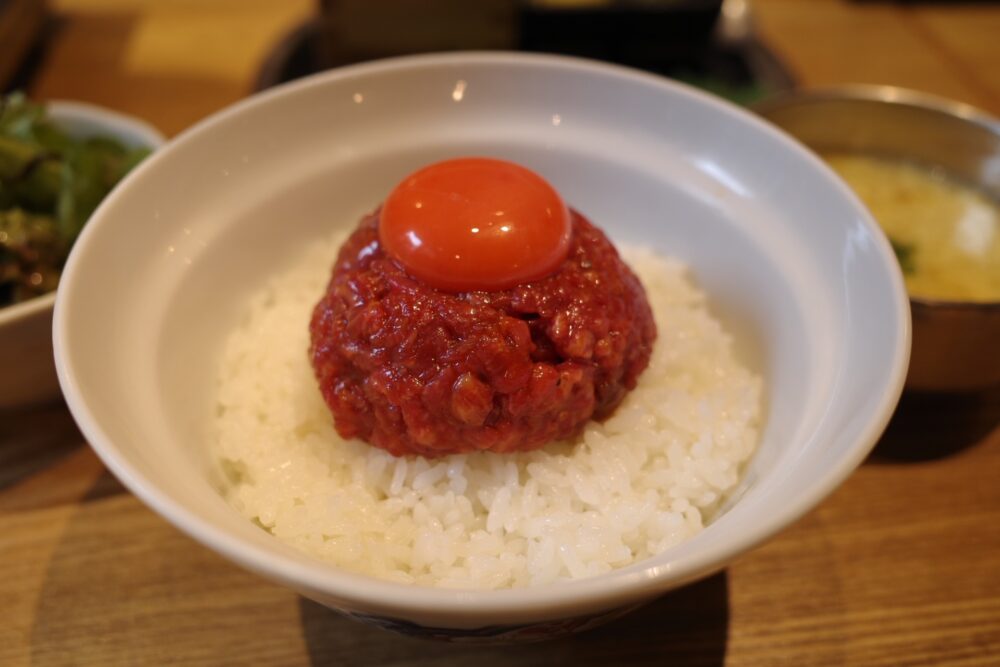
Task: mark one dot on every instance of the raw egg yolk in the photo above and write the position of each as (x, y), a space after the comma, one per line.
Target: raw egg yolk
(475, 224)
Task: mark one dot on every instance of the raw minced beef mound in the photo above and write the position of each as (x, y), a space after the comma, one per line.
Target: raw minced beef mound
(415, 370)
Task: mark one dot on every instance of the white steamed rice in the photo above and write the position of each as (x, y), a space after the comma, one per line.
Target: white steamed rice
(631, 487)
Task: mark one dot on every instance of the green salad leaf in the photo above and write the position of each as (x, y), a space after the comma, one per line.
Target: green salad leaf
(50, 184)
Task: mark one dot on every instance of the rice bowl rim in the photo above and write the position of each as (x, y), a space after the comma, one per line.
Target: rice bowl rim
(632, 583)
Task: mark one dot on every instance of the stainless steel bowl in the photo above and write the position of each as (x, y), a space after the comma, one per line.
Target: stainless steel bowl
(956, 344)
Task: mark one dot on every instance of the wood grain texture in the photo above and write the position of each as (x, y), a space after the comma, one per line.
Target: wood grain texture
(86, 62)
(950, 50)
(898, 567)
(901, 566)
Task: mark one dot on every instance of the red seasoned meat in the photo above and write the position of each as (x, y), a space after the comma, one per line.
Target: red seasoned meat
(416, 370)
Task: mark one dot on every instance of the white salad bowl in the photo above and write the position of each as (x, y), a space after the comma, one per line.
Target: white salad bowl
(28, 373)
(792, 262)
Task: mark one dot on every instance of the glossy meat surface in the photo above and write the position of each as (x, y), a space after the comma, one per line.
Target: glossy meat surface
(415, 370)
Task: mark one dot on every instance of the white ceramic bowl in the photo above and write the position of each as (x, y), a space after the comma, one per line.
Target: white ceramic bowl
(29, 374)
(791, 260)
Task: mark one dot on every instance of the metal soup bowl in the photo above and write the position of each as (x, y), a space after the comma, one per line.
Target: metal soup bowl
(954, 342)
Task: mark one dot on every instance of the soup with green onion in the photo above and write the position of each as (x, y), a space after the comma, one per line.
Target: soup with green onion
(946, 234)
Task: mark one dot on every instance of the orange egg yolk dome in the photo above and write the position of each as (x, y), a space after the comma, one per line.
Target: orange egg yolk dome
(475, 224)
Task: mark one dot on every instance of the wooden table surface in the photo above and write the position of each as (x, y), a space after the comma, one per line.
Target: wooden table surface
(901, 566)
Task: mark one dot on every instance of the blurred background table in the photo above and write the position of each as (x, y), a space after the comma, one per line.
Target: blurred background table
(901, 566)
